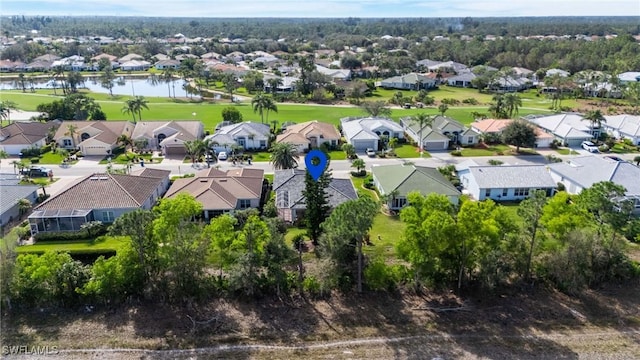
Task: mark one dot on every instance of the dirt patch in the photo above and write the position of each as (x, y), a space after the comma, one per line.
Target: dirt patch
(527, 325)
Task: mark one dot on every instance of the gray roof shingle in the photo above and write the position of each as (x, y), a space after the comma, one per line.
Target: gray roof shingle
(512, 176)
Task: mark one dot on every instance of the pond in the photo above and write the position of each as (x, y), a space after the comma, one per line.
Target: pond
(123, 86)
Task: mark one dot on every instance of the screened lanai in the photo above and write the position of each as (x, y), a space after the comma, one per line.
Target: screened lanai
(59, 220)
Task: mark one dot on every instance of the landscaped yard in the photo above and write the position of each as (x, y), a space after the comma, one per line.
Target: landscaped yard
(358, 183)
(492, 150)
(48, 158)
(123, 159)
(389, 229)
(407, 151)
(566, 151)
(101, 244)
(621, 148)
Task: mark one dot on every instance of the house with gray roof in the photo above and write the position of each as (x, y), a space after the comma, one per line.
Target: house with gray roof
(411, 81)
(505, 183)
(442, 132)
(288, 185)
(98, 197)
(569, 128)
(334, 74)
(582, 172)
(623, 127)
(364, 133)
(11, 192)
(462, 80)
(248, 135)
(397, 181)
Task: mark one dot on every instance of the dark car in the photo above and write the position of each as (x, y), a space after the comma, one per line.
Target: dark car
(615, 158)
(37, 171)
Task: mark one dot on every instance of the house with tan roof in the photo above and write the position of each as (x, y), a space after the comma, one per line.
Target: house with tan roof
(22, 135)
(98, 197)
(309, 135)
(222, 192)
(111, 58)
(93, 138)
(169, 137)
(495, 127)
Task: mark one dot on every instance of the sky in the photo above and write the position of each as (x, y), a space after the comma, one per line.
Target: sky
(322, 8)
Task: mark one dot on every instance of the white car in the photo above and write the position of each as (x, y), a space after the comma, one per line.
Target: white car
(590, 147)
(222, 155)
(370, 152)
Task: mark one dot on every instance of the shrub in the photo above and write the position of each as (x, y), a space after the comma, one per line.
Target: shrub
(361, 173)
(470, 101)
(380, 276)
(35, 160)
(603, 148)
(312, 286)
(456, 153)
(79, 154)
(495, 162)
(555, 144)
(561, 187)
(30, 152)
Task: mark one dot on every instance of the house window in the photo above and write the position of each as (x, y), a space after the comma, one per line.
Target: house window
(487, 193)
(398, 203)
(84, 136)
(470, 140)
(107, 216)
(521, 192)
(66, 143)
(505, 192)
(263, 143)
(245, 203)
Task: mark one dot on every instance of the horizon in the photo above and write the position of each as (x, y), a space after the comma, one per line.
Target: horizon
(322, 9)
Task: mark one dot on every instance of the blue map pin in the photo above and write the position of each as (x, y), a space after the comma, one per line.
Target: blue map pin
(316, 170)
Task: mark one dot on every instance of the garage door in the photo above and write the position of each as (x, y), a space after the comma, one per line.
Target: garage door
(175, 150)
(362, 145)
(434, 145)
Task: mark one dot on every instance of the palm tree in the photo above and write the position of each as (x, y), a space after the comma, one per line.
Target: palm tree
(125, 141)
(71, 132)
(349, 149)
(596, 119)
(58, 73)
(140, 103)
(23, 206)
(167, 76)
(6, 107)
(3, 155)
(262, 104)
(274, 83)
(442, 108)
(358, 164)
(17, 165)
(284, 156)
(195, 149)
(512, 103)
(423, 120)
(129, 108)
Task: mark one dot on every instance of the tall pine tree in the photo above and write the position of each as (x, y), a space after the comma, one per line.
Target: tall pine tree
(317, 201)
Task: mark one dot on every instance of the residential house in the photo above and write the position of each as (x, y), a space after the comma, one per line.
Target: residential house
(47, 57)
(169, 137)
(20, 135)
(92, 138)
(160, 57)
(248, 135)
(462, 80)
(506, 182)
(39, 65)
(135, 65)
(222, 192)
(98, 197)
(11, 66)
(396, 181)
(443, 132)
(130, 57)
(167, 64)
(289, 186)
(510, 84)
(571, 129)
(287, 84)
(236, 71)
(310, 135)
(629, 77)
(235, 56)
(411, 81)
(558, 72)
(495, 127)
(579, 173)
(364, 133)
(623, 127)
(111, 58)
(11, 192)
(425, 63)
(451, 67)
(334, 74)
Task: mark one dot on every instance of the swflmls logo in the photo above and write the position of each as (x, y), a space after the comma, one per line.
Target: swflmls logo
(29, 350)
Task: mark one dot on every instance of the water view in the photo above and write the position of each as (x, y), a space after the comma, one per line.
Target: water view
(123, 86)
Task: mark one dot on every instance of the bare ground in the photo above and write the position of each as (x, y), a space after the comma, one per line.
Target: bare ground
(540, 324)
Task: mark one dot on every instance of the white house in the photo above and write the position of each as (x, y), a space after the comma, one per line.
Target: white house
(248, 135)
(135, 65)
(507, 182)
(443, 130)
(364, 133)
(571, 129)
(334, 74)
(167, 64)
(411, 81)
(20, 135)
(629, 77)
(623, 127)
(582, 172)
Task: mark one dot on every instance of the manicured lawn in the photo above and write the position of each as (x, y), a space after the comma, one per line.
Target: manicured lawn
(123, 159)
(269, 178)
(390, 230)
(100, 244)
(40, 181)
(262, 156)
(358, 183)
(48, 158)
(407, 151)
(566, 151)
(292, 232)
(490, 151)
(624, 149)
(337, 155)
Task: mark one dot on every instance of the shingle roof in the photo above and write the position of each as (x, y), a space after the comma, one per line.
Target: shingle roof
(512, 176)
(11, 192)
(106, 131)
(588, 170)
(363, 128)
(289, 187)
(408, 178)
(299, 133)
(217, 190)
(20, 132)
(103, 191)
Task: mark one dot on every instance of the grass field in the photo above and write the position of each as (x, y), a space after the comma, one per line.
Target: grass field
(490, 151)
(407, 151)
(100, 244)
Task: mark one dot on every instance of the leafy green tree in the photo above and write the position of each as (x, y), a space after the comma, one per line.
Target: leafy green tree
(107, 79)
(349, 149)
(317, 203)
(519, 133)
(232, 115)
(561, 216)
(284, 156)
(249, 246)
(375, 108)
(442, 108)
(358, 164)
(637, 160)
(531, 212)
(607, 204)
(344, 232)
(230, 85)
(74, 80)
(498, 107)
(632, 94)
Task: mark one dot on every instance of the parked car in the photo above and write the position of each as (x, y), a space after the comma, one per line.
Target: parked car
(222, 155)
(614, 158)
(370, 152)
(407, 106)
(37, 171)
(590, 147)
